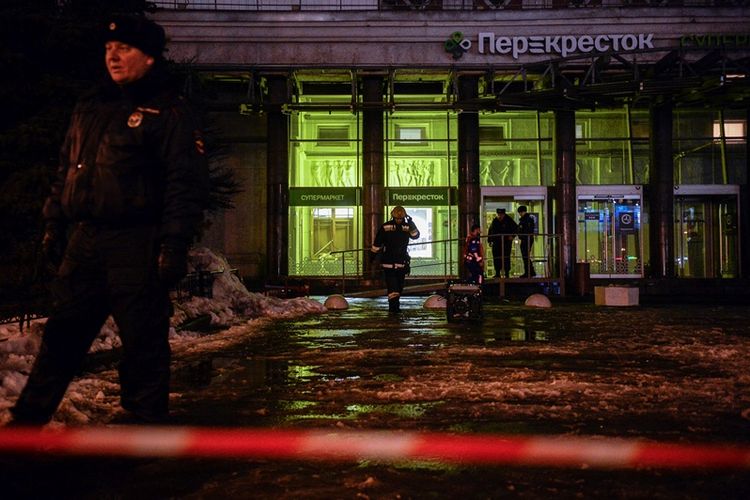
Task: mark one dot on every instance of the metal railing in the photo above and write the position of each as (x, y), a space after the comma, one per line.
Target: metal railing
(404, 5)
(444, 259)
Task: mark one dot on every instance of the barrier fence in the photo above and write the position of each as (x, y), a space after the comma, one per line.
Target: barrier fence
(547, 451)
(444, 259)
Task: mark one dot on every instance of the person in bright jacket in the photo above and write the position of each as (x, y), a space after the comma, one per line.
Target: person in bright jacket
(474, 256)
(392, 241)
(130, 193)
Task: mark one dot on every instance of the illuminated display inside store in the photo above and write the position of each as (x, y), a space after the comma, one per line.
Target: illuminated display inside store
(516, 150)
(324, 212)
(421, 169)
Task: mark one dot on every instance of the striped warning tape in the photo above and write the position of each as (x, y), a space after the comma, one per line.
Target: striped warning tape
(371, 445)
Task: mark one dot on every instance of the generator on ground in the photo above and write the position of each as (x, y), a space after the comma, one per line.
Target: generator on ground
(464, 302)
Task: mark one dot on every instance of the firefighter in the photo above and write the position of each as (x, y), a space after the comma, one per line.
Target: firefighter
(130, 193)
(391, 241)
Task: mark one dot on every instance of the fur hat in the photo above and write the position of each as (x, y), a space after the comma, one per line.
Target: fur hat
(139, 32)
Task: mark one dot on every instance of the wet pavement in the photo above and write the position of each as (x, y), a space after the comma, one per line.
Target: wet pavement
(660, 372)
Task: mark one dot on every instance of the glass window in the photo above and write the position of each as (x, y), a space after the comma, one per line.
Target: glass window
(420, 149)
(706, 152)
(324, 152)
(514, 149)
(603, 154)
(317, 237)
(421, 158)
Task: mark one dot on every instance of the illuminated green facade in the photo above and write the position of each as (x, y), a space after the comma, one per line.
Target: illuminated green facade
(516, 155)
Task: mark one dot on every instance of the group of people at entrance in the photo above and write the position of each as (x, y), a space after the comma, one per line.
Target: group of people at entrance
(502, 232)
(392, 241)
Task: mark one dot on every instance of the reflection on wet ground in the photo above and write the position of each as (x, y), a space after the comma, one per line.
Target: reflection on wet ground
(658, 373)
(573, 368)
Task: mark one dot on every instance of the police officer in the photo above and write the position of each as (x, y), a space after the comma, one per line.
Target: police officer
(392, 240)
(501, 235)
(474, 255)
(130, 191)
(526, 230)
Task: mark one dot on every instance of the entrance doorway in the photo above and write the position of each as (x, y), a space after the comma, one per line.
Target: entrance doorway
(510, 198)
(706, 231)
(609, 230)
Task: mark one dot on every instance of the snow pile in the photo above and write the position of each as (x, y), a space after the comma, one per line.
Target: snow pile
(231, 299)
(231, 304)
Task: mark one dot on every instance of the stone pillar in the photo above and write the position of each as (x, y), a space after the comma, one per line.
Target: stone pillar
(661, 192)
(373, 193)
(277, 243)
(565, 189)
(744, 209)
(469, 194)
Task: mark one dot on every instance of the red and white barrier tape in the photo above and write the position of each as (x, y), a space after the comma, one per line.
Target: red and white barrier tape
(371, 445)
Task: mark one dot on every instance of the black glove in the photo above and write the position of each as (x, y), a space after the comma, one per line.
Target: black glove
(172, 264)
(53, 247)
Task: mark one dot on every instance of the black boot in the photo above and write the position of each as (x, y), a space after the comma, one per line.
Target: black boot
(394, 306)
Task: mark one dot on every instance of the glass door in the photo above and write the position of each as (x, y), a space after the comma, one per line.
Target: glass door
(706, 236)
(510, 198)
(609, 231)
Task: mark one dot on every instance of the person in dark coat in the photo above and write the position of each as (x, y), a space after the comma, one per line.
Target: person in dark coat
(392, 241)
(130, 191)
(526, 231)
(474, 256)
(501, 234)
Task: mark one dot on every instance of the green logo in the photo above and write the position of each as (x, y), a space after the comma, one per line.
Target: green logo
(457, 44)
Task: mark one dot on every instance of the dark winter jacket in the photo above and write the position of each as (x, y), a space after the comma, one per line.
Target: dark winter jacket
(526, 226)
(392, 239)
(132, 155)
(500, 228)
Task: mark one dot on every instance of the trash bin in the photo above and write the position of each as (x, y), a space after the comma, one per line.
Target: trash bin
(582, 278)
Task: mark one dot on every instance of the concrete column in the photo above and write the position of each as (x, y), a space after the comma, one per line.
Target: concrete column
(277, 243)
(469, 194)
(744, 210)
(565, 188)
(661, 192)
(373, 143)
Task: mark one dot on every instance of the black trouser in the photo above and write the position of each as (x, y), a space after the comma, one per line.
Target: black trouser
(105, 271)
(526, 243)
(394, 283)
(501, 255)
(474, 271)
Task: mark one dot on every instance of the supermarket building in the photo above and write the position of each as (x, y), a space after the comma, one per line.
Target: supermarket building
(621, 125)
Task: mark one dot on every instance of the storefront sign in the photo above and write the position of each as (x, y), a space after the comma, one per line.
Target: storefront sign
(419, 197)
(716, 41)
(323, 197)
(564, 45)
(591, 216)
